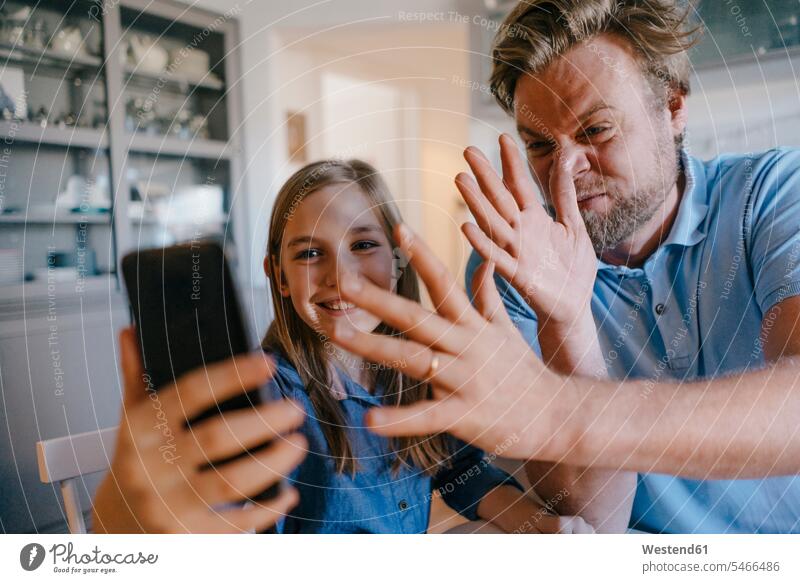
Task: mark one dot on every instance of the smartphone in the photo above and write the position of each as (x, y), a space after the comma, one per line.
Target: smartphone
(188, 315)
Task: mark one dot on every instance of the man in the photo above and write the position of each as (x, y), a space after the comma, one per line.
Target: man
(677, 278)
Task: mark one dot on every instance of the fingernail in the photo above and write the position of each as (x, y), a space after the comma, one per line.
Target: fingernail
(352, 284)
(406, 238)
(343, 331)
(260, 362)
(402, 232)
(374, 417)
(298, 440)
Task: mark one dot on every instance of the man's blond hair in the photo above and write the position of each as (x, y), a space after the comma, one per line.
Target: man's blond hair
(538, 31)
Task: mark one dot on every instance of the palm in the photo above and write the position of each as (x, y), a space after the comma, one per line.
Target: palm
(550, 262)
(552, 266)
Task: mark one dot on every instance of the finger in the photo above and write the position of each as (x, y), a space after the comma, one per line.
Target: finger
(487, 217)
(134, 388)
(404, 315)
(491, 185)
(506, 265)
(487, 298)
(407, 356)
(223, 436)
(203, 388)
(421, 418)
(253, 474)
(447, 296)
(256, 517)
(516, 175)
(564, 195)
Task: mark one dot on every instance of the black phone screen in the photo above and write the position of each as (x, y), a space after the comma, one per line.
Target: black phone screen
(186, 310)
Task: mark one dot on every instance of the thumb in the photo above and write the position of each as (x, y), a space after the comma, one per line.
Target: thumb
(487, 298)
(423, 418)
(132, 370)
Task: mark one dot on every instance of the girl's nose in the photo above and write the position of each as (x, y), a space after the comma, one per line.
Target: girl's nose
(340, 267)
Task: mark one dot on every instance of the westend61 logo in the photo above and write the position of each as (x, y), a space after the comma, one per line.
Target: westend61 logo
(65, 560)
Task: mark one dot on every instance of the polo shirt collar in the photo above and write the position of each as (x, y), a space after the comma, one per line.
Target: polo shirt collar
(689, 227)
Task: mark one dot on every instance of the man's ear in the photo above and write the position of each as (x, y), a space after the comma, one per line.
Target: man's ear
(271, 264)
(678, 112)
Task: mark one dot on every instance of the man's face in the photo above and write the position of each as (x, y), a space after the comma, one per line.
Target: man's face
(593, 111)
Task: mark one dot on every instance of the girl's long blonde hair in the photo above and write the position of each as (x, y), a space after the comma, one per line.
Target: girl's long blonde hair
(306, 348)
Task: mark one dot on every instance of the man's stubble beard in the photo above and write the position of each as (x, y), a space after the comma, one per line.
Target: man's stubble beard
(628, 212)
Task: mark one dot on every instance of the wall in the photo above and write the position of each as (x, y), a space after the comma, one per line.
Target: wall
(442, 119)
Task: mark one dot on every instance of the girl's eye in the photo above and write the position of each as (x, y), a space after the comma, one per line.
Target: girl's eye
(308, 254)
(364, 245)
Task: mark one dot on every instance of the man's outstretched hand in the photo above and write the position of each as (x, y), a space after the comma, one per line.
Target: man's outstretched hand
(489, 388)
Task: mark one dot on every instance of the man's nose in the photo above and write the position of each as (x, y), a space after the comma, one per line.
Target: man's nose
(572, 159)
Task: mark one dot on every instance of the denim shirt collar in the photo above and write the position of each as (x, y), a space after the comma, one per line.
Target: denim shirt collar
(689, 227)
(348, 388)
(353, 390)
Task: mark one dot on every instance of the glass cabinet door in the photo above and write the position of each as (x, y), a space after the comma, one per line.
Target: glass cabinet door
(178, 165)
(174, 85)
(55, 191)
(742, 30)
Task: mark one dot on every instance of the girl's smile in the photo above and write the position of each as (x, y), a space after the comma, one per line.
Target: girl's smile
(337, 307)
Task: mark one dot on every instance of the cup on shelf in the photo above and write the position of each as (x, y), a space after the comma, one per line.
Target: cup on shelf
(73, 194)
(192, 65)
(69, 41)
(149, 55)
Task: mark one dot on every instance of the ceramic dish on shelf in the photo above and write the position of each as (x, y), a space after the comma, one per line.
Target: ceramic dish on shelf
(69, 41)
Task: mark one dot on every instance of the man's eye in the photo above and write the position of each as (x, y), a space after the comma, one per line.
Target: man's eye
(595, 131)
(308, 254)
(538, 147)
(364, 245)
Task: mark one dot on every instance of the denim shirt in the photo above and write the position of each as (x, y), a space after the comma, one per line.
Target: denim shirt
(375, 499)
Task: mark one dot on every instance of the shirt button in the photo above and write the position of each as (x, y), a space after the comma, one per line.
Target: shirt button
(660, 309)
(403, 505)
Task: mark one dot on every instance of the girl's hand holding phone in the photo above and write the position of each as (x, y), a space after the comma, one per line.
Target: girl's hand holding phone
(159, 480)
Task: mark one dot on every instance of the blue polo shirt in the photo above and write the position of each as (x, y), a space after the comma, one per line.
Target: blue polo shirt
(694, 311)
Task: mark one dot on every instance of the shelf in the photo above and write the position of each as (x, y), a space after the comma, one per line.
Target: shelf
(56, 218)
(53, 136)
(37, 288)
(180, 82)
(157, 222)
(168, 146)
(47, 58)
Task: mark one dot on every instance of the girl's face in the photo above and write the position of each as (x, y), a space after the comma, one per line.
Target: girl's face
(332, 232)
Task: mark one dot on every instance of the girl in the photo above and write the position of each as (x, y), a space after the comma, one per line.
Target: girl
(331, 218)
